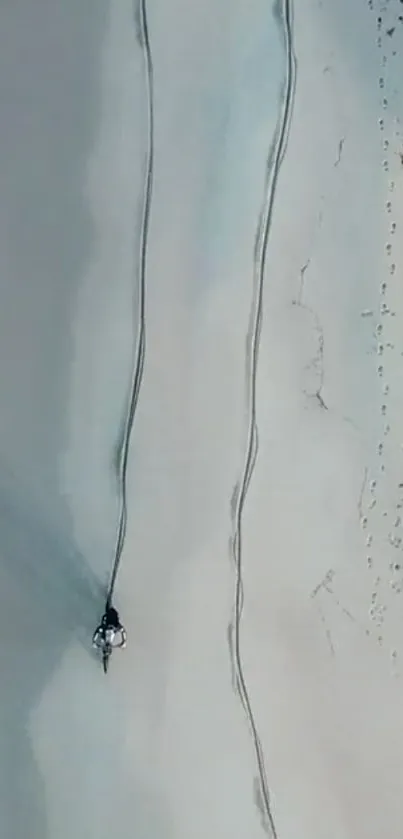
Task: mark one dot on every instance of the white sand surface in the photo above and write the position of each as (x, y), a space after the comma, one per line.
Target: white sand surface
(169, 745)
(321, 635)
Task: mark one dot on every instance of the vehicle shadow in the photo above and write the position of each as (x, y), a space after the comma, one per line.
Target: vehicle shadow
(50, 60)
(50, 598)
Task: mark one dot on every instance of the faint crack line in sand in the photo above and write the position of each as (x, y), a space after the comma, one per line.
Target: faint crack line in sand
(318, 361)
(302, 281)
(324, 582)
(361, 495)
(139, 356)
(346, 611)
(324, 585)
(305, 266)
(339, 152)
(275, 157)
(326, 629)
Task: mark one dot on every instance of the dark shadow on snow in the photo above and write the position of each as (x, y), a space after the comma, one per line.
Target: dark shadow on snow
(49, 599)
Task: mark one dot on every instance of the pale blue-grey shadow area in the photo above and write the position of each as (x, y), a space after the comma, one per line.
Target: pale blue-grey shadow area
(49, 599)
(50, 61)
(50, 54)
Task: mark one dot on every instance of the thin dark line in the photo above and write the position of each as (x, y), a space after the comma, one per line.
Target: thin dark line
(138, 366)
(274, 161)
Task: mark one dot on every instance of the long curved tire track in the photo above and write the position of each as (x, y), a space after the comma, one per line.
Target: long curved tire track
(274, 161)
(138, 366)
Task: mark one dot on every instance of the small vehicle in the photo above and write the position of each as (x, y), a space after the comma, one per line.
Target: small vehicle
(108, 635)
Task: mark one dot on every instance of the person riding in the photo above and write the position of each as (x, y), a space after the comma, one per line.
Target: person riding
(110, 631)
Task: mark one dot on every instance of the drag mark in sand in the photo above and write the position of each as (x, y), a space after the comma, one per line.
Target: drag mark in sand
(275, 157)
(138, 364)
